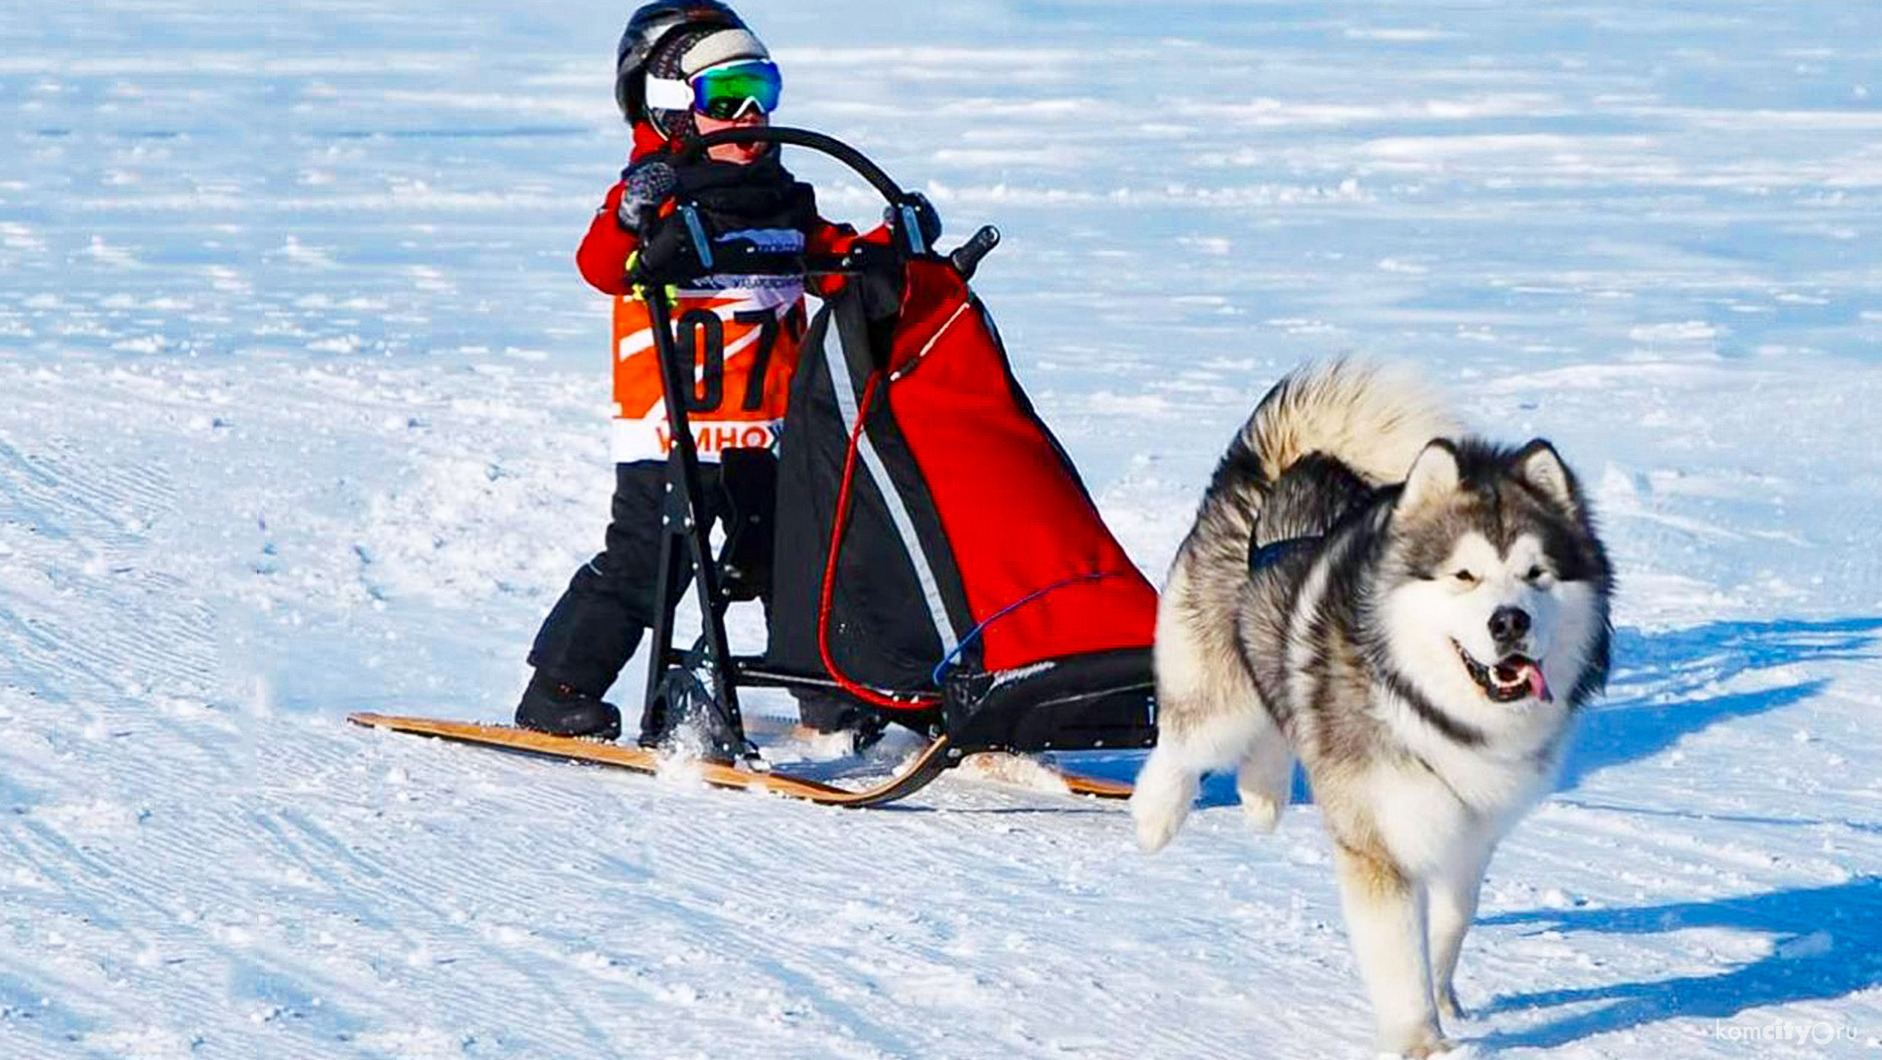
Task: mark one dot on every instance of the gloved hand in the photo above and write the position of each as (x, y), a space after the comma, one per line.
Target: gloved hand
(874, 271)
(669, 253)
(925, 215)
(649, 183)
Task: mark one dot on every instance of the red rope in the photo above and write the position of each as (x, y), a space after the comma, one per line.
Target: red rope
(908, 701)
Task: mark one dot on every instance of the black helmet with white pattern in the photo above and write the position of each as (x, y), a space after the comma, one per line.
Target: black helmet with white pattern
(649, 40)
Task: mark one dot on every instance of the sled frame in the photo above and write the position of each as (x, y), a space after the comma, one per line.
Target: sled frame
(686, 543)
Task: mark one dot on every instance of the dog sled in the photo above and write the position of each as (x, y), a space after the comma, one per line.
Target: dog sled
(932, 558)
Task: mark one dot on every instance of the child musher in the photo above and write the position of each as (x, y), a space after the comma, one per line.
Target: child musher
(683, 70)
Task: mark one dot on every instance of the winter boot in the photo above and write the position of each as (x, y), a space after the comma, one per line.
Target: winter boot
(550, 706)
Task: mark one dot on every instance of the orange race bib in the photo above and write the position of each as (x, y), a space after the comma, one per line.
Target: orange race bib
(743, 343)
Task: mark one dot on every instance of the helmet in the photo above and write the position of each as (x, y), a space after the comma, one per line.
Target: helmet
(650, 26)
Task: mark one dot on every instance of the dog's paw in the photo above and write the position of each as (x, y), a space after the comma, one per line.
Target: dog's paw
(1440, 1049)
(1161, 802)
(1424, 1043)
(1263, 813)
(1157, 824)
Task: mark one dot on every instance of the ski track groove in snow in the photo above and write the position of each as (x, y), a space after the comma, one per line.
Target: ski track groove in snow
(404, 901)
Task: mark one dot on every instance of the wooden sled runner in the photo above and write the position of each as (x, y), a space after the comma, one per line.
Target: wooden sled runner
(916, 774)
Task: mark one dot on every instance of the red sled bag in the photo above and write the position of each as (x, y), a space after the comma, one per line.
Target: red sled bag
(937, 553)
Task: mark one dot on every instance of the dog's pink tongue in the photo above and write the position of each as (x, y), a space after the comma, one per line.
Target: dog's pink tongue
(1538, 684)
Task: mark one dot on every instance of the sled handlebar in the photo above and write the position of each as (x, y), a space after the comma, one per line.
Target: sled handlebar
(884, 184)
(965, 258)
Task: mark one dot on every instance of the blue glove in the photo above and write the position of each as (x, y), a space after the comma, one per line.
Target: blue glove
(649, 183)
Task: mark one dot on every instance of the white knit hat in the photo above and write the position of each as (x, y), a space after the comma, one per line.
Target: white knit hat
(713, 49)
(727, 45)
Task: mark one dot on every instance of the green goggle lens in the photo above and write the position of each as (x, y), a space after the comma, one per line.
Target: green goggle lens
(726, 91)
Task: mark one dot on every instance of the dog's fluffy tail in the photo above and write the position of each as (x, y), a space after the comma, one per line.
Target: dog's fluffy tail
(1375, 420)
(1372, 418)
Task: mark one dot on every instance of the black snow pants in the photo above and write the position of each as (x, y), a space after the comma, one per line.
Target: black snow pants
(593, 630)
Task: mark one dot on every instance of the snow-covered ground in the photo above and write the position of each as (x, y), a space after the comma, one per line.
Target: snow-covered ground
(302, 412)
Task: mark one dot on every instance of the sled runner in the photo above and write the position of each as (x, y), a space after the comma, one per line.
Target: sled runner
(932, 558)
(913, 775)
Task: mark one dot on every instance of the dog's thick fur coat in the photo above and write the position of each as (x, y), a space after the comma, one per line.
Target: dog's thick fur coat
(1394, 606)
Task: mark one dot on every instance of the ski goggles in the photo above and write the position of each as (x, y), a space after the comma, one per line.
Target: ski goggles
(725, 92)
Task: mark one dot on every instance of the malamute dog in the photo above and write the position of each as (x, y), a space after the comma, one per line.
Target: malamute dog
(1413, 614)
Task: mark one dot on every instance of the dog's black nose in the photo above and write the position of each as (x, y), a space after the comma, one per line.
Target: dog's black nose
(1508, 624)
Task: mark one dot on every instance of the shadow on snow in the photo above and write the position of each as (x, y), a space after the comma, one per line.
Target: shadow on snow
(1681, 671)
(1827, 944)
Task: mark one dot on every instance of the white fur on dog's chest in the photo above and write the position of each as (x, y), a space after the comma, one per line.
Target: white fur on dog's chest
(1432, 813)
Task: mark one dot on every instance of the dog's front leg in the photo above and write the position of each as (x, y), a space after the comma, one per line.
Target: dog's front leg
(1385, 916)
(1453, 892)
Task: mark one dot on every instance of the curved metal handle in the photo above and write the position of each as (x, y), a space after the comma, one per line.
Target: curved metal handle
(816, 141)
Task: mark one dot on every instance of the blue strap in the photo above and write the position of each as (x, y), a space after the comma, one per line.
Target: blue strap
(1273, 552)
(701, 244)
(911, 225)
(941, 668)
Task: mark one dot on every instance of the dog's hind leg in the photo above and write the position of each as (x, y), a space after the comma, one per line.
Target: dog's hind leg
(1166, 787)
(1266, 778)
(1161, 799)
(1208, 713)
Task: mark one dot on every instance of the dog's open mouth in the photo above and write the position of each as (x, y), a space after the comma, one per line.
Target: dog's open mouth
(1514, 677)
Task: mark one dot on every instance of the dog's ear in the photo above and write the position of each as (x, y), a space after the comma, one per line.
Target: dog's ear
(1540, 468)
(1433, 477)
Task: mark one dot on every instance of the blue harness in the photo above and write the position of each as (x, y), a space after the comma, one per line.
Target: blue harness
(1265, 556)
